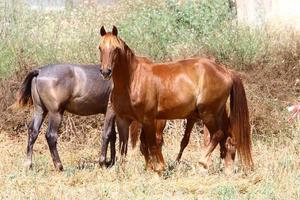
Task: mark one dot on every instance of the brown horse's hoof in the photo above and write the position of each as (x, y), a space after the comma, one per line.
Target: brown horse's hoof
(177, 162)
(205, 166)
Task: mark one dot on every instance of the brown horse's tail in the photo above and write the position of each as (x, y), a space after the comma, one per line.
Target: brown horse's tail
(24, 93)
(239, 120)
(135, 129)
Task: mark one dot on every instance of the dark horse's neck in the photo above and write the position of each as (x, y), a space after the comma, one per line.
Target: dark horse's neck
(124, 70)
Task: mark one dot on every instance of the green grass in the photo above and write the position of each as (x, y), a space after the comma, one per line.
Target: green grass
(161, 30)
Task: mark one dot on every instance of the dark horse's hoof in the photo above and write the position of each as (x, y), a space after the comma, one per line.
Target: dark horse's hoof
(59, 167)
(108, 164)
(102, 163)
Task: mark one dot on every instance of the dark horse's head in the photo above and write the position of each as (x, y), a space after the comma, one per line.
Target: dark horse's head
(110, 48)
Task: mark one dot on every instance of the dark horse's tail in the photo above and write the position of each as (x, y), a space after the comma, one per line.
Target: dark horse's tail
(239, 120)
(24, 93)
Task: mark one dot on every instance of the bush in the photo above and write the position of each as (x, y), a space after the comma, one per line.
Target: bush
(161, 30)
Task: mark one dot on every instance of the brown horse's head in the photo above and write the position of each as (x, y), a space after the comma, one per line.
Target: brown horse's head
(110, 48)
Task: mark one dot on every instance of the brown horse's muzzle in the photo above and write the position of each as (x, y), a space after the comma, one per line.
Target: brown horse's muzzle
(106, 73)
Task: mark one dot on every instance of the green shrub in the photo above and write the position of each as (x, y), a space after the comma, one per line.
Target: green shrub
(162, 30)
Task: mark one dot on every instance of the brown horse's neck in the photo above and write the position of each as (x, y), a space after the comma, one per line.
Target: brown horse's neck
(124, 70)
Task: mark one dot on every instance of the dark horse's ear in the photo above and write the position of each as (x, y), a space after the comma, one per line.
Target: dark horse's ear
(114, 31)
(102, 31)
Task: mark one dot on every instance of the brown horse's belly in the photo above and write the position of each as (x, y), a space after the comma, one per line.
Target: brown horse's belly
(181, 111)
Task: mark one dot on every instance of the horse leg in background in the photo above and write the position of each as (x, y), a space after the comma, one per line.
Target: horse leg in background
(55, 119)
(213, 125)
(145, 150)
(160, 125)
(108, 136)
(206, 136)
(206, 140)
(33, 131)
(112, 142)
(155, 149)
(227, 146)
(123, 129)
(186, 138)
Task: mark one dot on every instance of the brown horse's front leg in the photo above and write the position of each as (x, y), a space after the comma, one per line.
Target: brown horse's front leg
(123, 129)
(154, 148)
(144, 147)
(108, 136)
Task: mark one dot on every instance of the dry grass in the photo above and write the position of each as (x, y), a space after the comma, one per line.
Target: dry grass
(276, 175)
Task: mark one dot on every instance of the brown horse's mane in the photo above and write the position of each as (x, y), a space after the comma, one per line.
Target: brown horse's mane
(113, 41)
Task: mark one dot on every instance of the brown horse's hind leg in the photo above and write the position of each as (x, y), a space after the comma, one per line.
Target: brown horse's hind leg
(51, 136)
(108, 136)
(33, 132)
(185, 140)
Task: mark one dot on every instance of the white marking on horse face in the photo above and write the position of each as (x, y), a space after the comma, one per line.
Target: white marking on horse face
(107, 45)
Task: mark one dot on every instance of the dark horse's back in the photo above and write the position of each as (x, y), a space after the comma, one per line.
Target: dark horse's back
(78, 89)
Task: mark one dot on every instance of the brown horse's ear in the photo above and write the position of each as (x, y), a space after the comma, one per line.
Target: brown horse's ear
(102, 31)
(114, 31)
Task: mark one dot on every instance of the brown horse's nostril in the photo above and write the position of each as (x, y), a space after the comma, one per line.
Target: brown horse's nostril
(106, 73)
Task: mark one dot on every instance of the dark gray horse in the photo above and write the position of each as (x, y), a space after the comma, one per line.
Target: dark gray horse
(78, 89)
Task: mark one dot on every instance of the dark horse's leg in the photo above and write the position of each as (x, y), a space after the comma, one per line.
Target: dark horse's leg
(51, 136)
(33, 131)
(185, 140)
(112, 142)
(109, 136)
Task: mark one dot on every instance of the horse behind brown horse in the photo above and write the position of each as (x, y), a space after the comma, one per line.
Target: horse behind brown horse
(78, 89)
(187, 89)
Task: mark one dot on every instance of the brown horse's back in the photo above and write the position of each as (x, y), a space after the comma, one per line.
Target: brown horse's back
(183, 87)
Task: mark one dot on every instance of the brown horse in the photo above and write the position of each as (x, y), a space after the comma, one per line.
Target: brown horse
(187, 89)
(78, 89)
